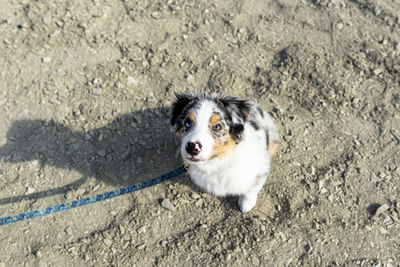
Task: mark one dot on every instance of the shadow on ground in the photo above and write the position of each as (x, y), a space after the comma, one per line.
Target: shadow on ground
(132, 148)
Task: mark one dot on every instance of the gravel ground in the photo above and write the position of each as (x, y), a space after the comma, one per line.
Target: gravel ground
(85, 88)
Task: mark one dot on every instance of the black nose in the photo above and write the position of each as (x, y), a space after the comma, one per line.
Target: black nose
(193, 148)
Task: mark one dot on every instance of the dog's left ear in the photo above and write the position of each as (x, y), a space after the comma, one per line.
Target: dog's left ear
(178, 109)
(239, 110)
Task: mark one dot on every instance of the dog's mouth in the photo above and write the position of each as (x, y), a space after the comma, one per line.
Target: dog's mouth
(193, 159)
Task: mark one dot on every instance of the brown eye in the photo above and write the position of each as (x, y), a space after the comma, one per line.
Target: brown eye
(217, 127)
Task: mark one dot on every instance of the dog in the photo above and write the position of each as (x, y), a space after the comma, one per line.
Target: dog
(228, 143)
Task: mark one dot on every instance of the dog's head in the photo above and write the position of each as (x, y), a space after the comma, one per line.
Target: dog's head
(209, 126)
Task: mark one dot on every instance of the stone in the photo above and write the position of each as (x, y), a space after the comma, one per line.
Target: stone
(101, 153)
(96, 91)
(167, 204)
(132, 81)
(46, 19)
(381, 209)
(108, 242)
(46, 59)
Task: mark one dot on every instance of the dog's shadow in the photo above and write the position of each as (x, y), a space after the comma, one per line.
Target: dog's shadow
(132, 148)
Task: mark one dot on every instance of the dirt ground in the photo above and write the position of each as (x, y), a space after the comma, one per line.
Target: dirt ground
(85, 88)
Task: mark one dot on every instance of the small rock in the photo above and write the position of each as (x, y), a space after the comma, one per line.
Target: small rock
(96, 187)
(96, 91)
(80, 192)
(30, 190)
(46, 59)
(156, 15)
(142, 246)
(142, 229)
(195, 195)
(68, 230)
(199, 203)
(381, 209)
(339, 25)
(288, 262)
(382, 230)
(108, 242)
(101, 153)
(60, 23)
(377, 71)
(126, 237)
(190, 79)
(167, 204)
(46, 19)
(132, 81)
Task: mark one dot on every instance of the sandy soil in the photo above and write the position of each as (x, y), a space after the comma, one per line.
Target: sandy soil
(85, 88)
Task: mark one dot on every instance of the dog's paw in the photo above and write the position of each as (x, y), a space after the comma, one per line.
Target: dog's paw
(246, 203)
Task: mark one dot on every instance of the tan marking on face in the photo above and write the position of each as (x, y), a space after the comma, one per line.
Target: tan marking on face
(221, 149)
(191, 116)
(215, 119)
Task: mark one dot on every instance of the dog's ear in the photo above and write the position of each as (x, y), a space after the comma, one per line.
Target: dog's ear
(238, 111)
(178, 109)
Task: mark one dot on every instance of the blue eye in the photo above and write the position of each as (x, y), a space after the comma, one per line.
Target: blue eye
(188, 124)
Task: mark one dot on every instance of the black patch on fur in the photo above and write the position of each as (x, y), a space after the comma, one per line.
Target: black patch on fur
(235, 109)
(254, 125)
(267, 137)
(261, 112)
(179, 109)
(237, 130)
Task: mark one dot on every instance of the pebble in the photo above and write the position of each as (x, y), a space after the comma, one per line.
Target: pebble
(46, 59)
(132, 81)
(126, 237)
(142, 246)
(156, 15)
(288, 262)
(101, 153)
(381, 209)
(190, 79)
(30, 190)
(142, 229)
(96, 187)
(46, 19)
(195, 195)
(108, 242)
(199, 203)
(96, 91)
(382, 230)
(167, 204)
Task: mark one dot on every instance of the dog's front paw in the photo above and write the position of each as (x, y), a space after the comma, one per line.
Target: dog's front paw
(246, 203)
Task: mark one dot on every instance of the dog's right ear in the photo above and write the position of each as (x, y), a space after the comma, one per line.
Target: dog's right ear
(179, 108)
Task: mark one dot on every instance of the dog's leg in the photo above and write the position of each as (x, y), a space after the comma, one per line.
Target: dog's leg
(248, 200)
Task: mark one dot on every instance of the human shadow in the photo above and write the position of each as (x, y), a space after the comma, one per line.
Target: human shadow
(132, 148)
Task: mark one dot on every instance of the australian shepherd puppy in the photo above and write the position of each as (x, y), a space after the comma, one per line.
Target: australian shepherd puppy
(228, 143)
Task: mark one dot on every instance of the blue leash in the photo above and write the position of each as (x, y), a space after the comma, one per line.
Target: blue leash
(89, 200)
